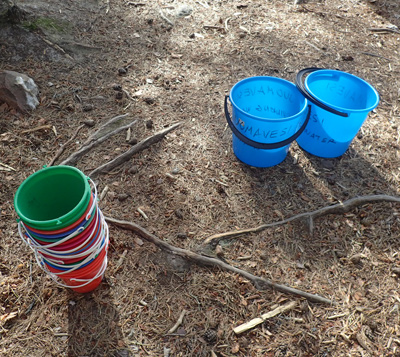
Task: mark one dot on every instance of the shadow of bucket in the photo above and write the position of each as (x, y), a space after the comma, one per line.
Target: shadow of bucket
(340, 104)
(268, 114)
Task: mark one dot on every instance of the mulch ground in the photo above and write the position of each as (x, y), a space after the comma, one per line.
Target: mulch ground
(175, 63)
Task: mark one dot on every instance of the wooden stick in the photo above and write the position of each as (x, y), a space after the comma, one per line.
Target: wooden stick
(7, 167)
(120, 261)
(214, 27)
(259, 283)
(385, 29)
(41, 127)
(144, 144)
(259, 320)
(62, 148)
(375, 55)
(178, 323)
(341, 207)
(96, 139)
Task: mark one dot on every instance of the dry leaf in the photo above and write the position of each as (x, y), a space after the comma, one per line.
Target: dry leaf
(138, 241)
(251, 264)
(357, 296)
(235, 348)
(243, 301)
(279, 213)
(304, 197)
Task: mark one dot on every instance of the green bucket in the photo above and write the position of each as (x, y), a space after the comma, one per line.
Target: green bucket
(53, 198)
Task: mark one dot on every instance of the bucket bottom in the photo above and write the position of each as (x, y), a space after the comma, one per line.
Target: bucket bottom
(258, 157)
(90, 273)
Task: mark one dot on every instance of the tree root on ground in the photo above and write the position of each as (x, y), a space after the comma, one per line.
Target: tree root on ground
(341, 207)
(259, 283)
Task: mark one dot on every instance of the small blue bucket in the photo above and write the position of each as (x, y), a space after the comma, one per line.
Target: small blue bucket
(340, 104)
(268, 114)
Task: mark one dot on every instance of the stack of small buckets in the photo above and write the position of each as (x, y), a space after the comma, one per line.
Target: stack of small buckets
(323, 112)
(60, 220)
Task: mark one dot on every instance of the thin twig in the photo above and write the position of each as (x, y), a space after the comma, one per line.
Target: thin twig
(62, 148)
(259, 320)
(103, 193)
(206, 27)
(136, 4)
(178, 322)
(144, 144)
(120, 261)
(9, 168)
(375, 55)
(96, 139)
(226, 24)
(57, 47)
(165, 18)
(259, 283)
(41, 127)
(127, 94)
(382, 30)
(337, 208)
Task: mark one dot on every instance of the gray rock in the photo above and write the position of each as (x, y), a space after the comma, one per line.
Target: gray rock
(18, 90)
(183, 10)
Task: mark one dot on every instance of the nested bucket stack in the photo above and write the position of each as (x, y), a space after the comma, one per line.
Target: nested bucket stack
(61, 222)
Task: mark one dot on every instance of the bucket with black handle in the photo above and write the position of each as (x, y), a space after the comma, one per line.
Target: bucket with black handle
(268, 114)
(340, 103)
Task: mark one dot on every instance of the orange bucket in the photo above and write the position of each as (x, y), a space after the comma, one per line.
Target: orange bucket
(85, 279)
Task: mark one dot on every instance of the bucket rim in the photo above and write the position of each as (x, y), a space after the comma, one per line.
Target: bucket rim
(276, 79)
(66, 219)
(336, 107)
(81, 222)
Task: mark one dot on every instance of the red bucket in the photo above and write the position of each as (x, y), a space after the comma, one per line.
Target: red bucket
(76, 241)
(85, 274)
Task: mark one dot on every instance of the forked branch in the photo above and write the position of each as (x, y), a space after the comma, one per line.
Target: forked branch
(341, 207)
(259, 283)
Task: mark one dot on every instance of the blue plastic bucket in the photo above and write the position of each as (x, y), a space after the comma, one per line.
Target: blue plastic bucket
(340, 104)
(268, 114)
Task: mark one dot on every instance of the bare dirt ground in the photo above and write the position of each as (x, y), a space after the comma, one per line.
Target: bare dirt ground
(190, 185)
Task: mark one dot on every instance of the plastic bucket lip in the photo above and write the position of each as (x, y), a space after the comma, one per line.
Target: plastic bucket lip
(96, 232)
(274, 79)
(74, 241)
(49, 240)
(55, 234)
(82, 271)
(68, 266)
(325, 72)
(88, 272)
(67, 263)
(64, 220)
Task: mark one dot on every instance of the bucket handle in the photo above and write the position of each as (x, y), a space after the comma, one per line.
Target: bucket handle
(264, 146)
(301, 87)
